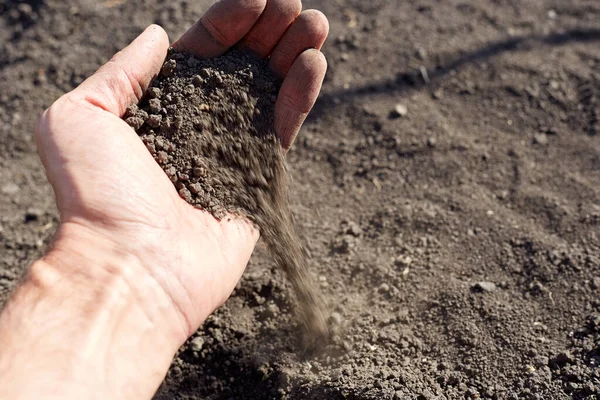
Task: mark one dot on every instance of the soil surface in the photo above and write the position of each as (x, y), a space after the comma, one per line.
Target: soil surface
(447, 187)
(210, 125)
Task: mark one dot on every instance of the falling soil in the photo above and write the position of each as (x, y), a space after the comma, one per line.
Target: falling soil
(210, 125)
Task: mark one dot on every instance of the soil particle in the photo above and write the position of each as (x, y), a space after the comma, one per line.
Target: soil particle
(209, 125)
(484, 287)
(399, 110)
(10, 188)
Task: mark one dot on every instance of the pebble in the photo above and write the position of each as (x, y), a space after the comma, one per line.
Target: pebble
(485, 286)
(169, 68)
(204, 72)
(10, 188)
(400, 110)
(404, 261)
(384, 288)
(540, 138)
(197, 80)
(354, 229)
(196, 344)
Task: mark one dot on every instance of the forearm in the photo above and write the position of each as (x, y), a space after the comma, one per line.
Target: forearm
(87, 322)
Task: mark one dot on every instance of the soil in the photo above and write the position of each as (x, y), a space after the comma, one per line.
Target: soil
(210, 125)
(447, 187)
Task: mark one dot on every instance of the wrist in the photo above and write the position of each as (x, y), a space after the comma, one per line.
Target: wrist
(102, 267)
(88, 317)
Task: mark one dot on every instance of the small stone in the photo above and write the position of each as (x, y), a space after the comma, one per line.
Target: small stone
(484, 286)
(421, 53)
(197, 80)
(354, 229)
(169, 68)
(540, 138)
(204, 107)
(344, 57)
(400, 110)
(196, 344)
(154, 120)
(154, 105)
(204, 72)
(10, 188)
(596, 283)
(403, 261)
(431, 142)
(384, 288)
(437, 94)
(552, 14)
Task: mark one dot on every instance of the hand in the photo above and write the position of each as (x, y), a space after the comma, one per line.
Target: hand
(134, 270)
(108, 186)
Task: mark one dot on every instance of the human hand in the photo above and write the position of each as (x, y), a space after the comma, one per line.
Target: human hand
(108, 187)
(134, 270)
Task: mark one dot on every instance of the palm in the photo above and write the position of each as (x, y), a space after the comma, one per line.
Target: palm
(106, 180)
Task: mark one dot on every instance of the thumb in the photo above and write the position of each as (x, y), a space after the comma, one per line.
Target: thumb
(123, 80)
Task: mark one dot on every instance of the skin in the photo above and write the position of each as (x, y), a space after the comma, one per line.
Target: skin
(134, 270)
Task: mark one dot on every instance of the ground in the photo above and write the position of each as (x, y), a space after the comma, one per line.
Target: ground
(447, 187)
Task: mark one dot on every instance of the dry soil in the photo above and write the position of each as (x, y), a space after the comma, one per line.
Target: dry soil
(447, 186)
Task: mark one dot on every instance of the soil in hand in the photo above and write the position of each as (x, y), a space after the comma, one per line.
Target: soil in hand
(210, 125)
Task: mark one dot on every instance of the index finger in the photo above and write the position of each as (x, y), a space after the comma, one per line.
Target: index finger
(221, 27)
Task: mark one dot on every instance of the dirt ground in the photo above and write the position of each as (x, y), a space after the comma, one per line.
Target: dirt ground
(447, 186)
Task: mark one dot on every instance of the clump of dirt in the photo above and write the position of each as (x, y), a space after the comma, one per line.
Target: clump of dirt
(210, 125)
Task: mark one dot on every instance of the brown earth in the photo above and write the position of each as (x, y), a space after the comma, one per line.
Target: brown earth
(456, 236)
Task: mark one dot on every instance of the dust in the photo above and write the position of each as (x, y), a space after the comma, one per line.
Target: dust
(210, 125)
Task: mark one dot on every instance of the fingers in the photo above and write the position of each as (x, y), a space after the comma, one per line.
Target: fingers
(223, 25)
(308, 31)
(272, 24)
(298, 94)
(123, 80)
